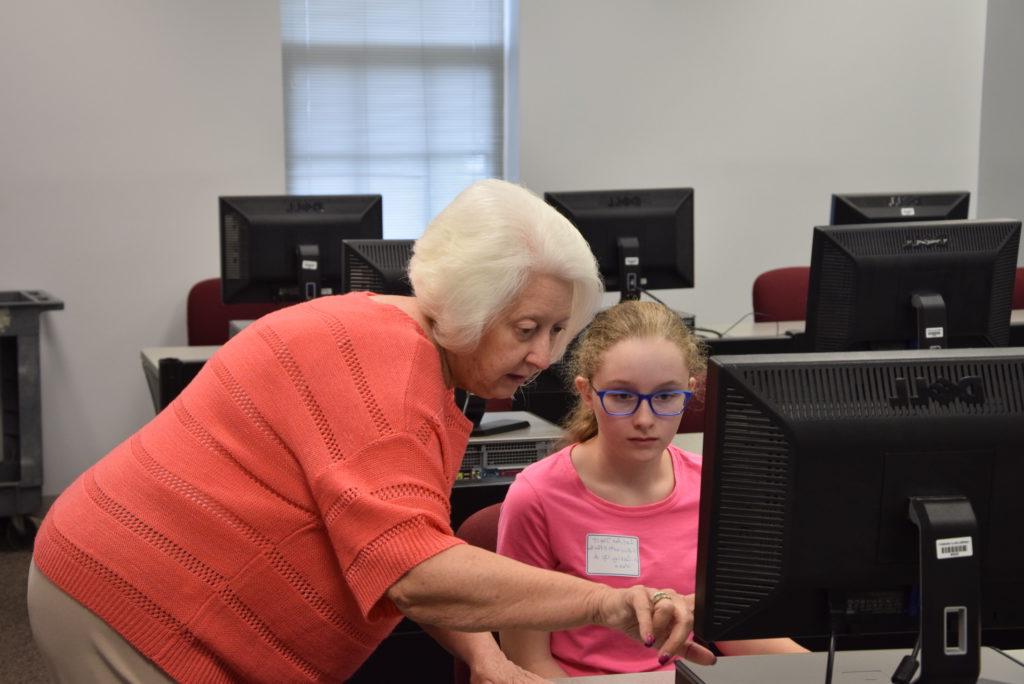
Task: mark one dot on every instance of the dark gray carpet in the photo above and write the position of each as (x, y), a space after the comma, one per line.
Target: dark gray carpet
(19, 660)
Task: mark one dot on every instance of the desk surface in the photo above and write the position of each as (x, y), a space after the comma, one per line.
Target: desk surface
(748, 328)
(851, 667)
(151, 355)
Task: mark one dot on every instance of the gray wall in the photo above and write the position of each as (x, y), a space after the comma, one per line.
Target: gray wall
(1001, 166)
(765, 108)
(121, 123)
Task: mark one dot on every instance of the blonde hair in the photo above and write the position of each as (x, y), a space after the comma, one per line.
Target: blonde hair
(482, 249)
(624, 321)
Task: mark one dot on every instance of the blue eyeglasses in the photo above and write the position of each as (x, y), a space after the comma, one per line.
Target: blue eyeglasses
(624, 403)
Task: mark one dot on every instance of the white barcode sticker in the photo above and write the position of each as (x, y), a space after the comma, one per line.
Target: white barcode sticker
(309, 265)
(932, 333)
(632, 261)
(954, 547)
(906, 211)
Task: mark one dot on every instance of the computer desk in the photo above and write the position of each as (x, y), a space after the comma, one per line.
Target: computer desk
(547, 398)
(168, 369)
(750, 337)
(850, 667)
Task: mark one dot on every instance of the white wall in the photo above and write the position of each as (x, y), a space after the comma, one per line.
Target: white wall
(1001, 166)
(765, 108)
(121, 123)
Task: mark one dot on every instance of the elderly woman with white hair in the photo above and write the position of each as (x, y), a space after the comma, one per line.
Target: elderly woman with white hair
(278, 519)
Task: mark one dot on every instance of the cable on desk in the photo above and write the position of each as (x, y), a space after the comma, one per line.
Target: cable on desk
(648, 293)
(908, 665)
(831, 656)
(738, 321)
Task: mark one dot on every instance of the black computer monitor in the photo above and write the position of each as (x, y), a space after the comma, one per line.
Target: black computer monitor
(911, 285)
(811, 464)
(642, 239)
(287, 248)
(889, 207)
(382, 266)
(379, 266)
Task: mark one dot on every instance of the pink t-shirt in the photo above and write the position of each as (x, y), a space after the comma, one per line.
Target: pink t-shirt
(551, 520)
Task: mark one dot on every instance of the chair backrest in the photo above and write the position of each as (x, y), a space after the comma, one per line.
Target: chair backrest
(1018, 290)
(207, 317)
(781, 294)
(479, 529)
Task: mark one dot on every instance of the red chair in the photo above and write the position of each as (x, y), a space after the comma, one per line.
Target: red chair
(207, 317)
(781, 294)
(1018, 290)
(479, 529)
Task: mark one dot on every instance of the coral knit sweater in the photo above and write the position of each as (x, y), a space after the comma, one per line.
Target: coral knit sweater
(251, 530)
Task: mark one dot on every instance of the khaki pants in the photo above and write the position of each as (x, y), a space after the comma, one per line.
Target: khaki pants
(78, 646)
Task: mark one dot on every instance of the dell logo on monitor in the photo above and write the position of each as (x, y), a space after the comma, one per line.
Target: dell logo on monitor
(968, 389)
(624, 201)
(926, 243)
(304, 207)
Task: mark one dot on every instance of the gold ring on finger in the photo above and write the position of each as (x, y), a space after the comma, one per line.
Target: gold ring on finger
(658, 596)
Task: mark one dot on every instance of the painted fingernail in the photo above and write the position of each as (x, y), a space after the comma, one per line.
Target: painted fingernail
(663, 658)
(649, 640)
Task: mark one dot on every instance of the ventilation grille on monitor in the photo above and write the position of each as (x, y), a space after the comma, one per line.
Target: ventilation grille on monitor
(234, 236)
(909, 200)
(377, 266)
(904, 389)
(753, 457)
(835, 304)
(1002, 294)
(976, 237)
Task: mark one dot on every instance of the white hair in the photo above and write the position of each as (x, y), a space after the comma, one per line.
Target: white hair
(482, 249)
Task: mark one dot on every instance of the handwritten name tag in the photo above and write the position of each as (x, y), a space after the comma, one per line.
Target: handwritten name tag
(609, 554)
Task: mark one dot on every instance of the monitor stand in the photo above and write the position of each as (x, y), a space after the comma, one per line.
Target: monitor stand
(930, 320)
(630, 280)
(950, 572)
(629, 268)
(307, 265)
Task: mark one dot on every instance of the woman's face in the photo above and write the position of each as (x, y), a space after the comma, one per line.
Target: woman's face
(643, 366)
(518, 344)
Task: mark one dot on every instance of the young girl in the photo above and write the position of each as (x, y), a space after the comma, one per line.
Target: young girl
(619, 504)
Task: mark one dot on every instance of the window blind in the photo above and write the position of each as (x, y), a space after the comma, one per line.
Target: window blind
(398, 97)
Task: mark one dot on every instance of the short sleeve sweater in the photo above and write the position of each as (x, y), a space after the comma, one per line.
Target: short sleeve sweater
(250, 531)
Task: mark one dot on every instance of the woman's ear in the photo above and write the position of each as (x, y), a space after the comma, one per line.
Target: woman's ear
(583, 389)
(693, 383)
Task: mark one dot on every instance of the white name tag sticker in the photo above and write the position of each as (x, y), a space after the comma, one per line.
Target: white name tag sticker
(309, 265)
(954, 547)
(610, 554)
(906, 211)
